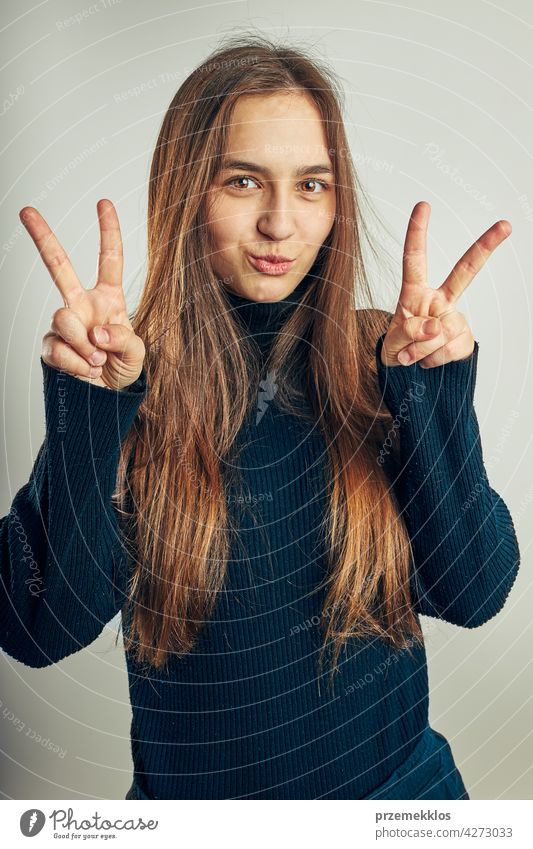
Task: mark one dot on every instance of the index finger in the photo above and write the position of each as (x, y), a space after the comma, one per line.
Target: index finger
(415, 247)
(474, 259)
(52, 253)
(110, 257)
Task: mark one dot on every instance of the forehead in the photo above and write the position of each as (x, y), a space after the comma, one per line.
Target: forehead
(278, 130)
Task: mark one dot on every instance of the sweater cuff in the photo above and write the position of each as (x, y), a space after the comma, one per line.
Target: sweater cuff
(452, 384)
(78, 411)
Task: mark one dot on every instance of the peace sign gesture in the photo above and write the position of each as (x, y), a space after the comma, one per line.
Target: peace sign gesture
(426, 326)
(78, 342)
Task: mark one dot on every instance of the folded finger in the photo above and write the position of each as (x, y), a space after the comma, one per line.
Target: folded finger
(449, 352)
(67, 325)
(120, 340)
(59, 355)
(430, 337)
(411, 332)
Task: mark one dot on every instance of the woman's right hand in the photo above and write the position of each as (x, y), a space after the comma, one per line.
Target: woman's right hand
(73, 343)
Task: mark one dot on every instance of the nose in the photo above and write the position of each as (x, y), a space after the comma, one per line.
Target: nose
(276, 218)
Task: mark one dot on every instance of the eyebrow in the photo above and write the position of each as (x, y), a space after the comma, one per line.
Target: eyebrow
(242, 165)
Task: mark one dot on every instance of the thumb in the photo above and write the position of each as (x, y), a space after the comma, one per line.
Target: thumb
(419, 329)
(119, 340)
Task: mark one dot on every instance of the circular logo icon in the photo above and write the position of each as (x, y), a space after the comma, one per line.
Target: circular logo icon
(32, 822)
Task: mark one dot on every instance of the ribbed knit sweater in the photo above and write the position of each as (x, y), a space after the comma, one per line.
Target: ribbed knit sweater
(244, 715)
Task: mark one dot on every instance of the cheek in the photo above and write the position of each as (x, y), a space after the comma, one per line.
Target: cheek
(220, 234)
(232, 231)
(219, 228)
(318, 224)
(229, 224)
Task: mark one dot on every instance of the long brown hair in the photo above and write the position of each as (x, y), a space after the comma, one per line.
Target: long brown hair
(201, 372)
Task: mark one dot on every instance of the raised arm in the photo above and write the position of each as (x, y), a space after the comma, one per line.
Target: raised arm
(466, 553)
(60, 552)
(59, 542)
(464, 543)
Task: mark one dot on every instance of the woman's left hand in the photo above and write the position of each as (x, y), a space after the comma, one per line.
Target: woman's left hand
(449, 337)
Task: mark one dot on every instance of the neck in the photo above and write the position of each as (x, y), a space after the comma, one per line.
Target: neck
(263, 319)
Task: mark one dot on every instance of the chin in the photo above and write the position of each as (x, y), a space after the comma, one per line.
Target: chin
(269, 289)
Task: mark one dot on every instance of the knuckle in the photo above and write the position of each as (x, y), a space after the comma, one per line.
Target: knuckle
(470, 267)
(111, 252)
(453, 348)
(58, 258)
(56, 346)
(409, 327)
(60, 316)
(417, 349)
(118, 333)
(453, 328)
(126, 337)
(62, 323)
(53, 349)
(46, 347)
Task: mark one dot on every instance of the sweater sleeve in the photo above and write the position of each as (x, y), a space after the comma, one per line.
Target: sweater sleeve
(60, 555)
(464, 545)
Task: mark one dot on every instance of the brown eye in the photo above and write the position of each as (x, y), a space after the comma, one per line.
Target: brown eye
(315, 183)
(236, 179)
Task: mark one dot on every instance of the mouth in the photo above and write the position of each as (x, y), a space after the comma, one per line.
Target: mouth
(271, 263)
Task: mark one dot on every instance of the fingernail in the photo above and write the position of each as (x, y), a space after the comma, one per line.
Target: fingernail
(95, 372)
(430, 326)
(404, 357)
(101, 334)
(97, 358)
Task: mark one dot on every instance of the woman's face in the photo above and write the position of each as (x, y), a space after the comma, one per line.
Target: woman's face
(279, 199)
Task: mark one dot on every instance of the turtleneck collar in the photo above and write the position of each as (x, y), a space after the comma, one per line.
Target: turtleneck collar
(263, 319)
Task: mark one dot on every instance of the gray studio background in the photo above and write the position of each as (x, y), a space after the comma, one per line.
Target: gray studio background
(439, 109)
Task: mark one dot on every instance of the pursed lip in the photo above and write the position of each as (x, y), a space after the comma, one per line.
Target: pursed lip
(273, 258)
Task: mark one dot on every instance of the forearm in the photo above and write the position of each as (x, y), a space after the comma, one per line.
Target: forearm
(59, 543)
(464, 545)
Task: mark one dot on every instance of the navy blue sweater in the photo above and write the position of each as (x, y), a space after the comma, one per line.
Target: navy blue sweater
(244, 714)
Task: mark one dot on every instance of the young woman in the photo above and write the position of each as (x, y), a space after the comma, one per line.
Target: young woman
(269, 480)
